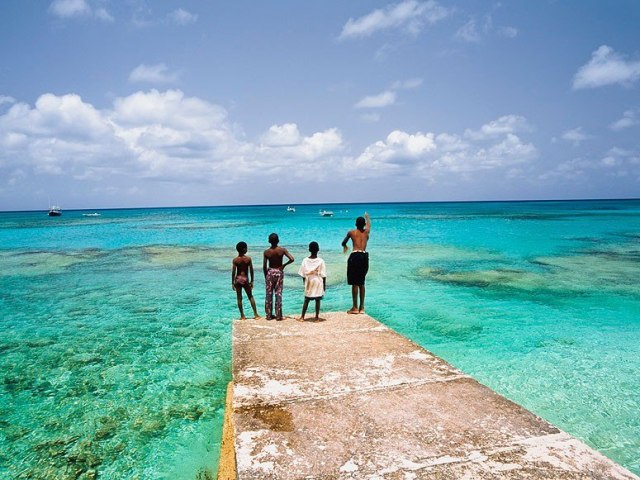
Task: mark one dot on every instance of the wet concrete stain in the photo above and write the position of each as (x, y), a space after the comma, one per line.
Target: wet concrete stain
(274, 417)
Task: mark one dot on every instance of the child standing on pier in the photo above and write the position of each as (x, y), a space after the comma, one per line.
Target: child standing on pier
(314, 275)
(242, 278)
(273, 269)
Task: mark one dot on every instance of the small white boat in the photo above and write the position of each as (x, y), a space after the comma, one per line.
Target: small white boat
(94, 214)
(55, 211)
(291, 209)
(326, 213)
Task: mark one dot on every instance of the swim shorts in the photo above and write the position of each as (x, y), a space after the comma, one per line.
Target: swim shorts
(357, 268)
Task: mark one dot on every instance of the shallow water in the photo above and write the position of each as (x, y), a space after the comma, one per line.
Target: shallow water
(115, 350)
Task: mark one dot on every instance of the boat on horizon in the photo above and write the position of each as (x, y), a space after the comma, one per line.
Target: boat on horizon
(291, 209)
(94, 214)
(55, 211)
(326, 213)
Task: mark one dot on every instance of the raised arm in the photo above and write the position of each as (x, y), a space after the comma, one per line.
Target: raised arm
(367, 227)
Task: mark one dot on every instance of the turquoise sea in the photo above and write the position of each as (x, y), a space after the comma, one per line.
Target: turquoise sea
(115, 343)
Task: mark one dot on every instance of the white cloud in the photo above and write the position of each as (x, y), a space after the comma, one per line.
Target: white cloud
(69, 8)
(282, 135)
(509, 32)
(153, 135)
(66, 114)
(169, 108)
(628, 120)
(166, 136)
(146, 135)
(384, 52)
(152, 74)
(297, 155)
(468, 32)
(381, 100)
(143, 17)
(407, 84)
(509, 151)
(429, 155)
(103, 14)
(5, 99)
(609, 161)
(78, 8)
(503, 125)
(409, 16)
(60, 133)
(576, 136)
(620, 152)
(473, 31)
(386, 98)
(399, 148)
(171, 136)
(616, 163)
(182, 17)
(606, 67)
(470, 157)
(568, 170)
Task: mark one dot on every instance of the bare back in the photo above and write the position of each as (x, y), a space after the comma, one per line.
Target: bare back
(242, 264)
(359, 239)
(273, 258)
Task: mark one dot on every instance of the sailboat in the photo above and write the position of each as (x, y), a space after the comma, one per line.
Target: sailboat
(55, 211)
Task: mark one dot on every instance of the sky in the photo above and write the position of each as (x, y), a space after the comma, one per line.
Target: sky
(140, 103)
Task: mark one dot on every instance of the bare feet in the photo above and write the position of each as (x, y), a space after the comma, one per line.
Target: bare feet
(353, 311)
(300, 319)
(361, 310)
(257, 317)
(243, 318)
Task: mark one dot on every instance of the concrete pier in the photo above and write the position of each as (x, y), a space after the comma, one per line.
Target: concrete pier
(350, 398)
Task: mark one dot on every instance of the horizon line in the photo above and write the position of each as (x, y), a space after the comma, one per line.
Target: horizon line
(608, 199)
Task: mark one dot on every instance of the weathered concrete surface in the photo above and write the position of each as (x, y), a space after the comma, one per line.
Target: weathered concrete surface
(350, 398)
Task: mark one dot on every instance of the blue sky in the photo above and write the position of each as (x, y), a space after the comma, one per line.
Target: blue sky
(141, 103)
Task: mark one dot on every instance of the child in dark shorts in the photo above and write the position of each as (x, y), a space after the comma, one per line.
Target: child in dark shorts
(358, 263)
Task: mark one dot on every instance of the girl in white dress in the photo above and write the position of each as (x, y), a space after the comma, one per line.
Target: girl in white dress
(314, 274)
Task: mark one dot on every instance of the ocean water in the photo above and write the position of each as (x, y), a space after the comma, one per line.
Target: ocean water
(115, 343)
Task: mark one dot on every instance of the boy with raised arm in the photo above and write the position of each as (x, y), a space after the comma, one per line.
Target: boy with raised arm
(273, 269)
(242, 278)
(358, 263)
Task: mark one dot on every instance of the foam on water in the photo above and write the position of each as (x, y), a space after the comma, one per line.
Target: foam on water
(115, 351)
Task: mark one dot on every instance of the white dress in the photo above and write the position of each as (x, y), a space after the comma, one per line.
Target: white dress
(313, 270)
